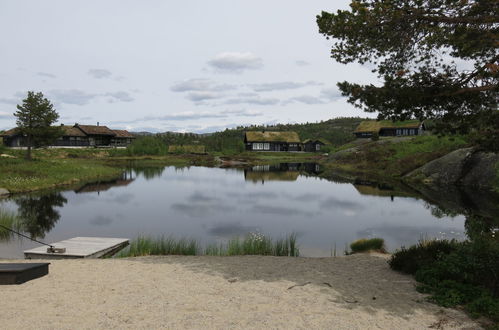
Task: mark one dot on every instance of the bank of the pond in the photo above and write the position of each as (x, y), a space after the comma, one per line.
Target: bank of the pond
(353, 292)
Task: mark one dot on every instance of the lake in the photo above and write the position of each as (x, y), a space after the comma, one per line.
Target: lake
(215, 204)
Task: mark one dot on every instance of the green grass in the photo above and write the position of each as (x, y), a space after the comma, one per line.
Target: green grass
(145, 246)
(251, 244)
(368, 244)
(456, 273)
(426, 144)
(9, 220)
(18, 175)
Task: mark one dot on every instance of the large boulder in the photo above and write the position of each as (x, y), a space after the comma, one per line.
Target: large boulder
(4, 192)
(464, 167)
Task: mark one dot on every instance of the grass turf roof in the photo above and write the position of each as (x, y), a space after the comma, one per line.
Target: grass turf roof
(376, 126)
(258, 136)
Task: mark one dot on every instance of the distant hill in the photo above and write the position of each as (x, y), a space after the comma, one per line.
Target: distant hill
(337, 131)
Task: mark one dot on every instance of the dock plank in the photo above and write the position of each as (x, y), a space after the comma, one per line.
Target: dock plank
(80, 247)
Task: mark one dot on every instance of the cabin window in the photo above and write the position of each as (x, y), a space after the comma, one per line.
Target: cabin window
(257, 146)
(317, 147)
(266, 146)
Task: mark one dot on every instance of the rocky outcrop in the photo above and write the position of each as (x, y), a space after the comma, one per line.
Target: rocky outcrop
(4, 192)
(463, 167)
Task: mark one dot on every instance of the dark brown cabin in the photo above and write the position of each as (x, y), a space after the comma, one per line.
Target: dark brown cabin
(367, 128)
(310, 145)
(122, 138)
(97, 135)
(272, 141)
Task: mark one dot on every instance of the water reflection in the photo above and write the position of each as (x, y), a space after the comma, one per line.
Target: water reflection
(280, 172)
(37, 215)
(209, 204)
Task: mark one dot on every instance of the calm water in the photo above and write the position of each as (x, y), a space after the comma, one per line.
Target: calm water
(214, 204)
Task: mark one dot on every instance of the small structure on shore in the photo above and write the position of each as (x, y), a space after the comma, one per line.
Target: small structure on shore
(313, 145)
(79, 247)
(368, 128)
(272, 141)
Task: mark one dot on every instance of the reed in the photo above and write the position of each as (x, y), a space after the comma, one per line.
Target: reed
(368, 244)
(251, 244)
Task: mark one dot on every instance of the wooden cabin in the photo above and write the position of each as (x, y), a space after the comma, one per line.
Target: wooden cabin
(367, 128)
(73, 137)
(122, 138)
(313, 145)
(13, 138)
(98, 136)
(272, 141)
(76, 136)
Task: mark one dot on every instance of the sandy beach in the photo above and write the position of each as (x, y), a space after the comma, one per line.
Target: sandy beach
(250, 292)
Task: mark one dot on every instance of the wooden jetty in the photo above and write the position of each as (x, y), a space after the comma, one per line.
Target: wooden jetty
(19, 273)
(80, 247)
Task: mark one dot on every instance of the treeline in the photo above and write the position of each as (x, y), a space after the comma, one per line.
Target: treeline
(336, 131)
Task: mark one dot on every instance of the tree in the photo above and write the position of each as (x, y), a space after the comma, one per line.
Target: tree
(418, 48)
(34, 119)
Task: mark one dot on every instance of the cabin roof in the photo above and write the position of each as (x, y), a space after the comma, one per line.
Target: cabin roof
(96, 130)
(121, 133)
(11, 132)
(376, 125)
(72, 131)
(323, 141)
(259, 136)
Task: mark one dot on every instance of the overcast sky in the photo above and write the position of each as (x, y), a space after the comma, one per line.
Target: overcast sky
(196, 66)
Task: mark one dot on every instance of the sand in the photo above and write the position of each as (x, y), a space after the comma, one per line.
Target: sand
(250, 292)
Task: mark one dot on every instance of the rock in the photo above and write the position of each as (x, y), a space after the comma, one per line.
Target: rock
(463, 167)
(7, 156)
(4, 192)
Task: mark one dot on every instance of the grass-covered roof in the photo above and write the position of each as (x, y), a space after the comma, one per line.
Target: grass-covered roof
(370, 126)
(271, 176)
(259, 136)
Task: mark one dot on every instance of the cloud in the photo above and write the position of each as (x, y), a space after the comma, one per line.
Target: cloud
(230, 229)
(307, 99)
(72, 96)
(120, 96)
(46, 75)
(192, 115)
(200, 85)
(100, 73)
(12, 101)
(5, 115)
(203, 96)
(284, 85)
(253, 100)
(277, 210)
(235, 62)
(333, 203)
(331, 94)
(101, 221)
(302, 63)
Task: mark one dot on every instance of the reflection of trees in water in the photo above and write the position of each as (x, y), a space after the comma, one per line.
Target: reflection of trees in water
(149, 172)
(37, 214)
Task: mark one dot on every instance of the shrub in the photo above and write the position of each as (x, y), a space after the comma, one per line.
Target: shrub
(368, 244)
(147, 145)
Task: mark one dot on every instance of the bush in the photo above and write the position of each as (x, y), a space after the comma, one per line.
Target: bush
(368, 244)
(147, 145)
(456, 273)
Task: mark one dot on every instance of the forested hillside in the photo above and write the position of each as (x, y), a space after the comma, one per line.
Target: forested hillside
(337, 131)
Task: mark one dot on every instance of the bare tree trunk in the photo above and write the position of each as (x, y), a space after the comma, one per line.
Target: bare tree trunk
(28, 152)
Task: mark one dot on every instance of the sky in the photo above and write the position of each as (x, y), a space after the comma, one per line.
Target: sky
(185, 66)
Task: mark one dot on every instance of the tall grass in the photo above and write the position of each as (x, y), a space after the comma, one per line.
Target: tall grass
(368, 244)
(144, 246)
(251, 244)
(9, 220)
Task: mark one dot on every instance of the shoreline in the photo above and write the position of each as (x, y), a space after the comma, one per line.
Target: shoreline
(348, 292)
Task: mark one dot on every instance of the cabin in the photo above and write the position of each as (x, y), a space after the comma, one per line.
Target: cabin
(367, 128)
(98, 136)
(272, 141)
(122, 138)
(76, 136)
(73, 137)
(13, 138)
(313, 145)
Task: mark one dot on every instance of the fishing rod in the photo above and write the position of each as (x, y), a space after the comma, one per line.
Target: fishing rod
(51, 249)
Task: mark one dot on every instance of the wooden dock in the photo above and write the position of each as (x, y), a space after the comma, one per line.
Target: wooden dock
(80, 247)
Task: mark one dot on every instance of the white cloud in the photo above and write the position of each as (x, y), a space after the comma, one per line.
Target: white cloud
(200, 85)
(268, 87)
(235, 62)
(100, 73)
(331, 94)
